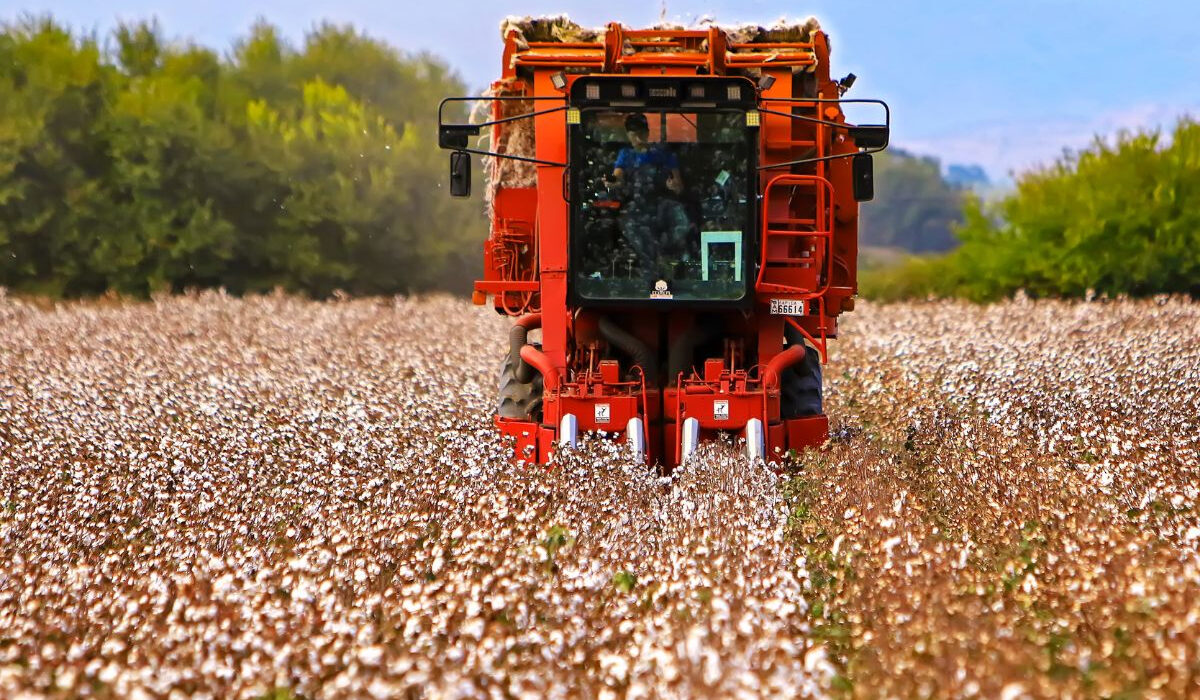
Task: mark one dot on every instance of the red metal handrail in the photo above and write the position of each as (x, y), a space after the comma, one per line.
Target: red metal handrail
(823, 226)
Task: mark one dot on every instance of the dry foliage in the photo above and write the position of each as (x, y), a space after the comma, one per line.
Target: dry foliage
(215, 497)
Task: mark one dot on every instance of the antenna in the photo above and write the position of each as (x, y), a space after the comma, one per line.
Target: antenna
(662, 12)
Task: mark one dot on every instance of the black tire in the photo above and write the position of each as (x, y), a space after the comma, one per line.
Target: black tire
(800, 392)
(521, 400)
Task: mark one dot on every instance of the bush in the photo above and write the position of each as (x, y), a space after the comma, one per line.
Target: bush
(154, 166)
(1112, 219)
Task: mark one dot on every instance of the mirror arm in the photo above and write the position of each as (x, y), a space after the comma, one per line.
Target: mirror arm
(523, 159)
(801, 117)
(527, 115)
(496, 98)
(887, 112)
(822, 159)
(474, 129)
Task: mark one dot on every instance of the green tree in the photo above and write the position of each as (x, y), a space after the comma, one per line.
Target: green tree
(53, 92)
(1115, 218)
(155, 164)
(139, 48)
(260, 69)
(160, 229)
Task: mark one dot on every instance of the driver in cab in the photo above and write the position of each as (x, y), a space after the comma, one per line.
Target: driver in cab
(654, 221)
(639, 157)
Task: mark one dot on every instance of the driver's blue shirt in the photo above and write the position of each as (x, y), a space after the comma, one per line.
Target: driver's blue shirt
(631, 159)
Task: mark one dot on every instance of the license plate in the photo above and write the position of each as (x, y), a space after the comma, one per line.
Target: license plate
(787, 307)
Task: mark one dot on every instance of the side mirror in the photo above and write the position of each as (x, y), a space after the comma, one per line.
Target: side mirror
(871, 135)
(862, 171)
(455, 136)
(460, 174)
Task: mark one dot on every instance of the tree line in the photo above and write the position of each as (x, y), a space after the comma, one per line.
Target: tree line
(133, 164)
(1116, 218)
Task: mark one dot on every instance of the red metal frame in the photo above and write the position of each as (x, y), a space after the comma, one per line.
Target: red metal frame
(808, 247)
(821, 232)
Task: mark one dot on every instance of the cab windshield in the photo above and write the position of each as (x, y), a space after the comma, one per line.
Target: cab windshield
(661, 205)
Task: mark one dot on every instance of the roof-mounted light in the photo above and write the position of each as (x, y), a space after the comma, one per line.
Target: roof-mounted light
(592, 91)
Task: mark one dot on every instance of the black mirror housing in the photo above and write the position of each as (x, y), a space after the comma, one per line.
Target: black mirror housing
(456, 136)
(460, 174)
(862, 169)
(870, 135)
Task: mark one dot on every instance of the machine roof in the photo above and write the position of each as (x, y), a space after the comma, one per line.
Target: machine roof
(559, 42)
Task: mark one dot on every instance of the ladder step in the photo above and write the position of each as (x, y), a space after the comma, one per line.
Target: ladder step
(785, 222)
(784, 233)
(780, 288)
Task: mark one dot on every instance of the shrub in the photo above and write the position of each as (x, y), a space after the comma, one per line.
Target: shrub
(1113, 219)
(159, 166)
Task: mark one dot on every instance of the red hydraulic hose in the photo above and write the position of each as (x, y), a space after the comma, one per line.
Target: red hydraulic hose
(538, 360)
(518, 336)
(785, 359)
(530, 321)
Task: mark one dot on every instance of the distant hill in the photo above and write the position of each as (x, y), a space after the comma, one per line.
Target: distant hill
(967, 176)
(915, 208)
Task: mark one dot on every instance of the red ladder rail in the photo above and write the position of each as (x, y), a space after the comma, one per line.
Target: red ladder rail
(821, 234)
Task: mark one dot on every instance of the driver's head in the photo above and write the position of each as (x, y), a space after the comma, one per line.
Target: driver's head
(638, 130)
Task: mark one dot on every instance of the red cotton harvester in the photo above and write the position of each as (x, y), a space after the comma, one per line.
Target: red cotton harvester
(677, 211)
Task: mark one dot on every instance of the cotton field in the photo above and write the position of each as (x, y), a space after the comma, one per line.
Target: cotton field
(211, 497)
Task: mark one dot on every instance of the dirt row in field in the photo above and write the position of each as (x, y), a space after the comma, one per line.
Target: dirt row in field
(217, 497)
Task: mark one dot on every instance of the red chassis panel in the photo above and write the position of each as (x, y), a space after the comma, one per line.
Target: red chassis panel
(722, 401)
(534, 443)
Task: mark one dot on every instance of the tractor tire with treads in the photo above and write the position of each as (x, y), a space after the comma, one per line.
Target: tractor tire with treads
(800, 392)
(520, 400)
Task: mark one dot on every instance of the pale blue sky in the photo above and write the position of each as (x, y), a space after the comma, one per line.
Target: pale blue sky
(1004, 84)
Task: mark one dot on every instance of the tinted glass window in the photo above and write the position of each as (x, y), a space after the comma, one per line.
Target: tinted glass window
(661, 208)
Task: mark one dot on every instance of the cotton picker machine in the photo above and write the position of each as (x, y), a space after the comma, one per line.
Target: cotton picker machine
(677, 211)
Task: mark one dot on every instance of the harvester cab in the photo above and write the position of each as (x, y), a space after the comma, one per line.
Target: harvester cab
(661, 190)
(677, 211)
